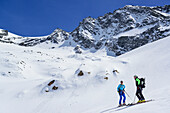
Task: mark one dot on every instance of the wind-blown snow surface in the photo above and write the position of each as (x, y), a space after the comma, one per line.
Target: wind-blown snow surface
(26, 71)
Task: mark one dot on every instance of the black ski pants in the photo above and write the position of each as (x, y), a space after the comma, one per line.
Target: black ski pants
(139, 93)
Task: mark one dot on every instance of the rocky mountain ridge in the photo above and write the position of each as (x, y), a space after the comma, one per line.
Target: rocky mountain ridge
(121, 31)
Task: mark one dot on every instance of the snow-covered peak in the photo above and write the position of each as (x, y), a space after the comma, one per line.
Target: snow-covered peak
(106, 30)
(58, 36)
(119, 32)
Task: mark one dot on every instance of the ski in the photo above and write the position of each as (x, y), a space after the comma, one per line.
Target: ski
(118, 108)
(131, 104)
(111, 109)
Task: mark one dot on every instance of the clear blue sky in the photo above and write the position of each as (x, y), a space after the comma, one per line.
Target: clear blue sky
(41, 17)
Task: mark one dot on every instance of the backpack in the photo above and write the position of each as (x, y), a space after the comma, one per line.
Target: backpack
(142, 82)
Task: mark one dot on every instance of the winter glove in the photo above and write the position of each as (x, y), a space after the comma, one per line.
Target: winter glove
(138, 87)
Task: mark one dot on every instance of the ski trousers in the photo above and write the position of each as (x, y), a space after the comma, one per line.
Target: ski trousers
(122, 94)
(139, 93)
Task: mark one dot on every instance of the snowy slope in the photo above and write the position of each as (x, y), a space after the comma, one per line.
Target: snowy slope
(26, 71)
(151, 62)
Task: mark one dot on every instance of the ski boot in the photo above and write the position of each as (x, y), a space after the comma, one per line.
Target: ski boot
(119, 105)
(139, 101)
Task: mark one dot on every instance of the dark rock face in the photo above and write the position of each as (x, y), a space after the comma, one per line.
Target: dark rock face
(80, 73)
(3, 33)
(95, 33)
(50, 83)
(58, 36)
(144, 24)
(165, 9)
(128, 43)
(77, 49)
(55, 88)
(32, 42)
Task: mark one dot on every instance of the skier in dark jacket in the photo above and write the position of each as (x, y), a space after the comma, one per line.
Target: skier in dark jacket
(121, 89)
(139, 89)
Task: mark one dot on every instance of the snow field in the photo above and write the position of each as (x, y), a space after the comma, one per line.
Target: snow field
(32, 68)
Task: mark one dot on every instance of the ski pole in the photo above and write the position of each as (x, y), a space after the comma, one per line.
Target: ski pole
(128, 95)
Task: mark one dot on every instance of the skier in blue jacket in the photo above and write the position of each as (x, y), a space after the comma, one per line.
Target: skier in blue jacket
(121, 89)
